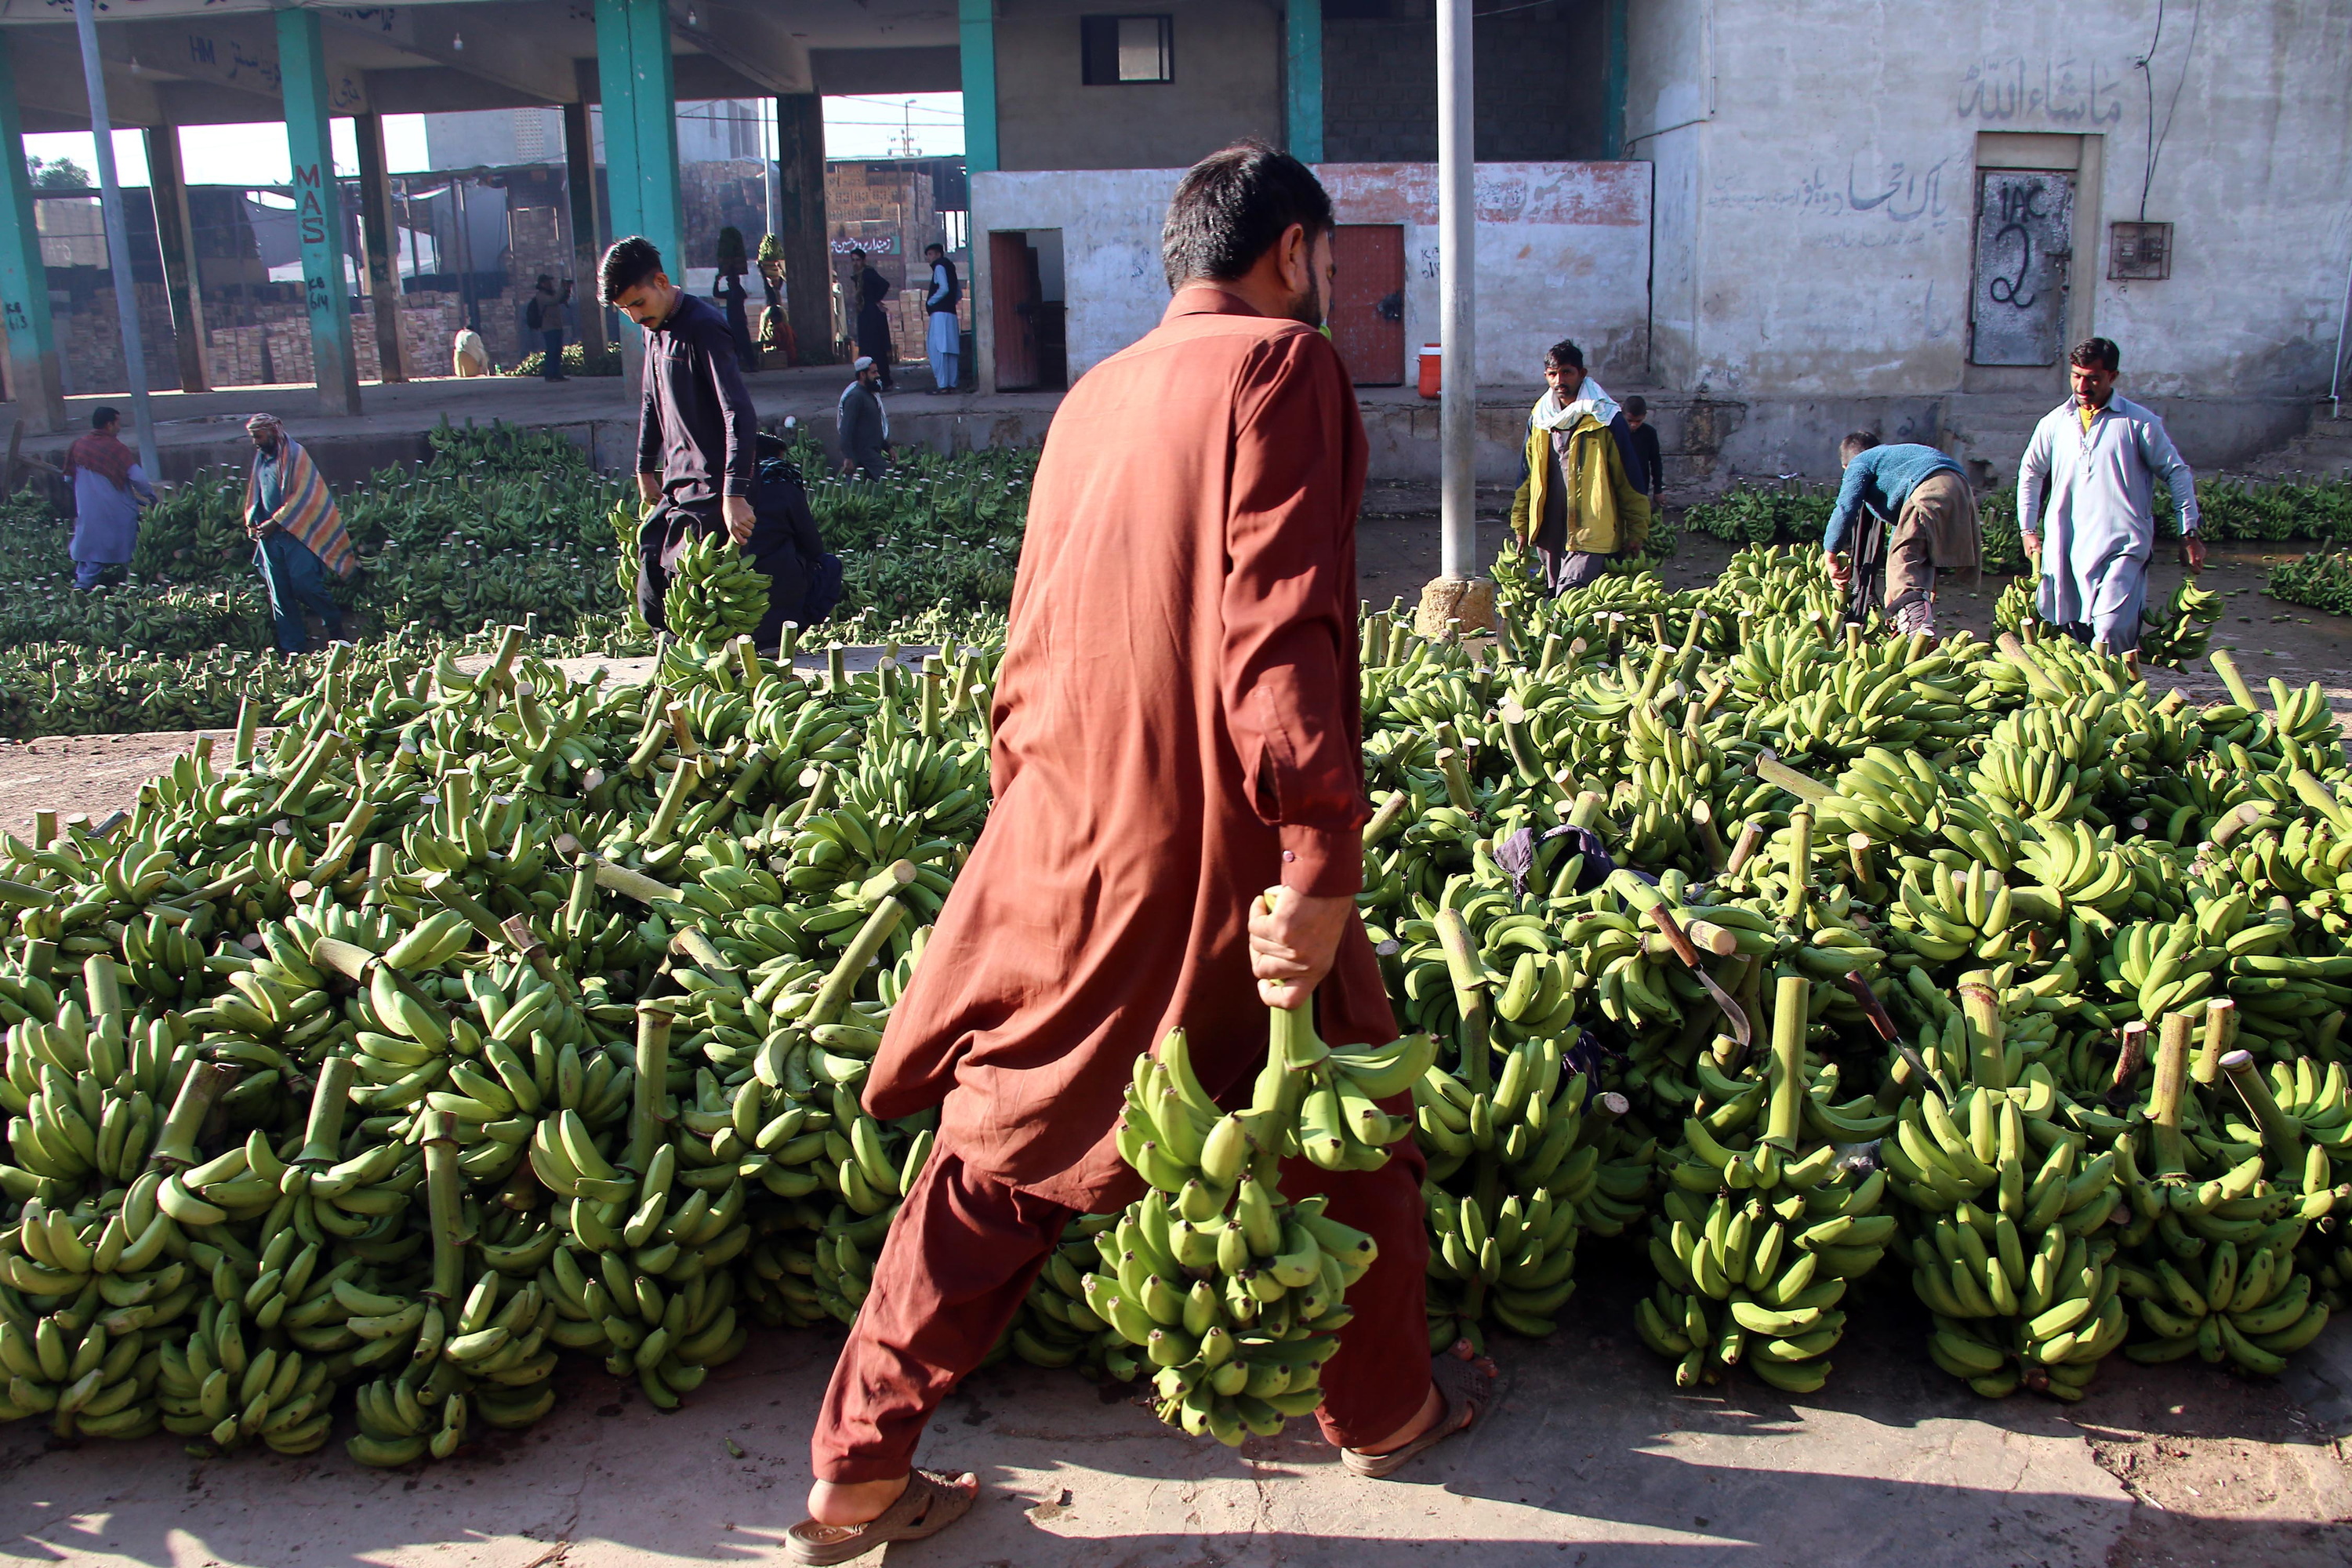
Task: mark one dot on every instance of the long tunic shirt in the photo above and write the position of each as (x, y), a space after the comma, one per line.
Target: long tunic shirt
(106, 516)
(1177, 729)
(695, 426)
(2099, 528)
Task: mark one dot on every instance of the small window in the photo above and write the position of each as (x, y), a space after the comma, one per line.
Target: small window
(1120, 50)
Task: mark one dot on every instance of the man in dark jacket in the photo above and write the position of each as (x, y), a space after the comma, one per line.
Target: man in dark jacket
(865, 426)
(871, 289)
(696, 447)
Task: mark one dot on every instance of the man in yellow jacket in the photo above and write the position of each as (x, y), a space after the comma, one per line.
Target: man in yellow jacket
(1578, 505)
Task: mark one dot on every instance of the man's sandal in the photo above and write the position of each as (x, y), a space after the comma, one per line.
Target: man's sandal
(933, 1501)
(1465, 1385)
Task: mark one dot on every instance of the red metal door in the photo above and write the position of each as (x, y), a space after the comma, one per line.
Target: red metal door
(1014, 293)
(1368, 301)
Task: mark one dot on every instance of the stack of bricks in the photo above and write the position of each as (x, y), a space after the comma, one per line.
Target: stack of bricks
(233, 355)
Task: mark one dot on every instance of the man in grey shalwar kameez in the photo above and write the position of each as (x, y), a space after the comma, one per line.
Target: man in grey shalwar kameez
(2097, 458)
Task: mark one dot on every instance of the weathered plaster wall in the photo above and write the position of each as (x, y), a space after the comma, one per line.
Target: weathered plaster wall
(1228, 85)
(1816, 164)
(1563, 251)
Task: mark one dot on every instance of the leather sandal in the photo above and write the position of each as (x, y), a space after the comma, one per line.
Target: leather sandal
(933, 1501)
(1465, 1385)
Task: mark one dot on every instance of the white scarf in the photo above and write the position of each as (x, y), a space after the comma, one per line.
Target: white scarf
(1551, 415)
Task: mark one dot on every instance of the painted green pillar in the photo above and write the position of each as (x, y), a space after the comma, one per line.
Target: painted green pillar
(1302, 79)
(1612, 80)
(639, 98)
(35, 379)
(976, 30)
(318, 210)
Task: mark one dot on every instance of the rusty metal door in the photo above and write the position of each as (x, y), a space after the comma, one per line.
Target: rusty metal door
(1367, 316)
(2025, 242)
(1014, 292)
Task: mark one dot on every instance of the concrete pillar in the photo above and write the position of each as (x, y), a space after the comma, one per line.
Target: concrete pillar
(35, 379)
(182, 281)
(318, 216)
(1612, 79)
(587, 242)
(640, 103)
(976, 31)
(380, 233)
(1302, 79)
(802, 226)
(1460, 593)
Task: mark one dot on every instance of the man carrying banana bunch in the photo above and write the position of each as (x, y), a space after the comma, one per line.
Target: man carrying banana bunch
(1177, 727)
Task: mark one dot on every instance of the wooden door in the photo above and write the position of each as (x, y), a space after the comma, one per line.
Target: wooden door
(1367, 316)
(1014, 293)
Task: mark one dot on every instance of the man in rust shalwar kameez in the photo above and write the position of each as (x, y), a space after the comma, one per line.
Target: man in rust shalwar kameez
(1177, 730)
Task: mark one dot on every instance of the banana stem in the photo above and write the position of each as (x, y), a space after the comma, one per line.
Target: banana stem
(2130, 1056)
(2171, 1080)
(445, 1207)
(1988, 1056)
(1523, 753)
(1469, 977)
(2282, 1134)
(645, 1118)
(2221, 1034)
(2227, 668)
(176, 1147)
(1710, 842)
(1791, 1002)
(1857, 848)
(1751, 833)
(248, 725)
(833, 997)
(1800, 868)
(934, 671)
(1458, 780)
(322, 1134)
(1386, 816)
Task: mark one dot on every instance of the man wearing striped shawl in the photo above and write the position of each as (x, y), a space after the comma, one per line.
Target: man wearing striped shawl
(297, 535)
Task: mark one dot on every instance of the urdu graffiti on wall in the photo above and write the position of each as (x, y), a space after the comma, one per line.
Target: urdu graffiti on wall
(2067, 91)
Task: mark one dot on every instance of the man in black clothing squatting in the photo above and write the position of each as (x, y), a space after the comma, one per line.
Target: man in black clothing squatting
(698, 457)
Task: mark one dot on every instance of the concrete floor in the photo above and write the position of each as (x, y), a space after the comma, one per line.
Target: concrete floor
(1591, 1458)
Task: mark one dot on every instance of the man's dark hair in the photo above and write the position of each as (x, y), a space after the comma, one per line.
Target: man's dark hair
(1637, 407)
(1233, 206)
(1565, 355)
(102, 416)
(858, 255)
(547, 280)
(2099, 351)
(629, 263)
(935, 245)
(1855, 445)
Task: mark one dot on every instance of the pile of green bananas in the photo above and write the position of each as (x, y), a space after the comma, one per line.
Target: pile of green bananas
(715, 592)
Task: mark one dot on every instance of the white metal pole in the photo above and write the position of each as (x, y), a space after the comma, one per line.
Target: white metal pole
(1456, 287)
(118, 237)
(2335, 372)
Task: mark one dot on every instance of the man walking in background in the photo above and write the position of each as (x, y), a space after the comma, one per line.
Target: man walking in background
(1649, 462)
(864, 423)
(943, 335)
(2095, 460)
(1178, 727)
(869, 289)
(1903, 514)
(108, 489)
(544, 315)
(1579, 506)
(298, 534)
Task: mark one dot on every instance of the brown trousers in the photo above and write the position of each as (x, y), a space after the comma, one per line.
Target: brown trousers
(966, 1249)
(1938, 525)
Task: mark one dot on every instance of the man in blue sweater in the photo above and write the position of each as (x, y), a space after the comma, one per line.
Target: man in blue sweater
(1903, 514)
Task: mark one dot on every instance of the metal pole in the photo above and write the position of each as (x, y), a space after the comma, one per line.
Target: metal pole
(118, 237)
(1456, 288)
(2335, 372)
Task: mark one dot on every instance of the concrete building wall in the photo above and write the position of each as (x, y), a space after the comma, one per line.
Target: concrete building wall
(1227, 85)
(1817, 168)
(1563, 251)
(1538, 76)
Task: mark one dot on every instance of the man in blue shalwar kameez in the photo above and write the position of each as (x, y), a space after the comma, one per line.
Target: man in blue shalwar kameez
(2095, 458)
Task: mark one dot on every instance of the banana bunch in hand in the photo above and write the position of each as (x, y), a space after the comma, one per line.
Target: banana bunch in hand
(1230, 1295)
(1757, 1240)
(715, 593)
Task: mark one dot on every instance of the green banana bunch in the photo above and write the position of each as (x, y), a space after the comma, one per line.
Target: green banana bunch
(714, 592)
(1230, 1294)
